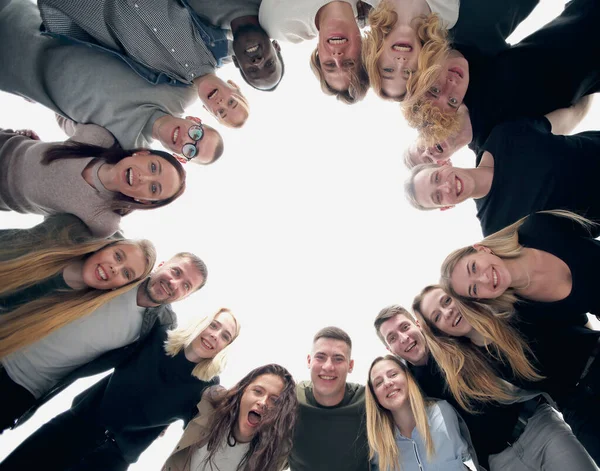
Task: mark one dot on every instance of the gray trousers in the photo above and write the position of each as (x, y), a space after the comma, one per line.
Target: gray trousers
(547, 444)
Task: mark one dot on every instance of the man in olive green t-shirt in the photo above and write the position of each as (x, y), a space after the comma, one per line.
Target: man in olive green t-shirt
(331, 430)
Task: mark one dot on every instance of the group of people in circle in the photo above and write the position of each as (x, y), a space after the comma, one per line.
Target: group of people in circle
(476, 373)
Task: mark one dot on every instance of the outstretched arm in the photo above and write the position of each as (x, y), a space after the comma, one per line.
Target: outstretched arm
(564, 120)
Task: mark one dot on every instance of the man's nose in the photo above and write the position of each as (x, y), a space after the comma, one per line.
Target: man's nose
(445, 187)
(257, 60)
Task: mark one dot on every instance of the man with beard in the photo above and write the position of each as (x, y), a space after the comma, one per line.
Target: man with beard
(107, 336)
(254, 54)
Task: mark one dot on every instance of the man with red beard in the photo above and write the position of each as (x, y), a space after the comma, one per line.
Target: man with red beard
(331, 429)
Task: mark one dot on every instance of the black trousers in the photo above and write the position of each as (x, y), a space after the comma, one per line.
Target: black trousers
(582, 411)
(67, 442)
(16, 400)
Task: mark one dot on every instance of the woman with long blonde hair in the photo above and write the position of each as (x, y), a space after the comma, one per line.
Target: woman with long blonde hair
(159, 384)
(548, 258)
(407, 431)
(556, 359)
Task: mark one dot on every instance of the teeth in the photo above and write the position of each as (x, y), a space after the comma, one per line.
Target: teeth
(393, 393)
(102, 273)
(401, 48)
(130, 177)
(165, 289)
(327, 377)
(458, 318)
(495, 277)
(411, 347)
(212, 94)
(252, 49)
(337, 40)
(458, 187)
(175, 135)
(206, 344)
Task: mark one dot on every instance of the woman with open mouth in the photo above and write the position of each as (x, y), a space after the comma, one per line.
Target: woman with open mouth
(480, 350)
(54, 274)
(547, 259)
(407, 36)
(408, 431)
(98, 185)
(248, 427)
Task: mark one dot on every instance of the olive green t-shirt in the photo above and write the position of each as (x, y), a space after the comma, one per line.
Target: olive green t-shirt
(330, 438)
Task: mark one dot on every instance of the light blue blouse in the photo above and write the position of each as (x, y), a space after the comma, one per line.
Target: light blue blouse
(451, 449)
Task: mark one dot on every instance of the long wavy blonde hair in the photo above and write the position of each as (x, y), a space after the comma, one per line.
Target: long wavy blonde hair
(465, 375)
(433, 124)
(430, 31)
(181, 337)
(504, 244)
(40, 317)
(380, 423)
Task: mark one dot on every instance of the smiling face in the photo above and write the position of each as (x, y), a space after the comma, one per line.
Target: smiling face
(438, 153)
(188, 137)
(398, 60)
(114, 266)
(389, 384)
(439, 308)
(339, 50)
(329, 365)
(443, 186)
(404, 338)
(481, 275)
(146, 177)
(219, 333)
(173, 281)
(257, 57)
(448, 92)
(259, 396)
(222, 100)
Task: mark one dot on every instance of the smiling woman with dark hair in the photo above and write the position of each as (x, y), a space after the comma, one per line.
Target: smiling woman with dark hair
(248, 427)
(97, 184)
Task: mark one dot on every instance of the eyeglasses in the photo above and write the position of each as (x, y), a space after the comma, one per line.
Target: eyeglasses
(196, 133)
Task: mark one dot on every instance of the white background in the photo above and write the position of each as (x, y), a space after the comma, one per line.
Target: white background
(302, 223)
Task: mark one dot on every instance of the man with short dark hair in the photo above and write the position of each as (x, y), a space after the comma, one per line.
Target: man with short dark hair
(257, 57)
(331, 429)
(102, 339)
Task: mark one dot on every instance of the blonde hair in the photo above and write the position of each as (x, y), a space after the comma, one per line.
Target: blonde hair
(243, 102)
(429, 30)
(40, 317)
(359, 81)
(380, 423)
(182, 337)
(503, 343)
(504, 244)
(433, 124)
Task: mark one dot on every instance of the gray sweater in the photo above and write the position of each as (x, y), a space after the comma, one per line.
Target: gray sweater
(82, 84)
(28, 186)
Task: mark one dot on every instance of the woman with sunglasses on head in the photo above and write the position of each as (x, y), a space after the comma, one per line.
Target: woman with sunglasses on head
(248, 427)
(53, 275)
(408, 431)
(478, 349)
(96, 184)
(111, 424)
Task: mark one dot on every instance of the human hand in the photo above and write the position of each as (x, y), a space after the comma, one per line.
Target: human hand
(28, 133)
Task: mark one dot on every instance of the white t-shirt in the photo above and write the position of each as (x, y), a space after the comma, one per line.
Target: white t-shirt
(294, 20)
(39, 366)
(227, 458)
(447, 10)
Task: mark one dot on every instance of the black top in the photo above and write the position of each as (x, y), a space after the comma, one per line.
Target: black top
(570, 242)
(486, 25)
(550, 69)
(47, 287)
(143, 395)
(535, 170)
(560, 351)
(491, 427)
